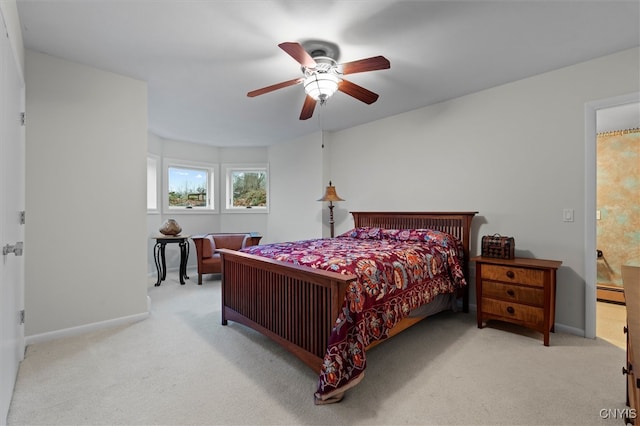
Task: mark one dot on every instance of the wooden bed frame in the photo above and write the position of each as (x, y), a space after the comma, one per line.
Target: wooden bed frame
(297, 306)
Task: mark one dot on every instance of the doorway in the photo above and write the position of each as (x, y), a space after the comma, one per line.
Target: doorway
(599, 116)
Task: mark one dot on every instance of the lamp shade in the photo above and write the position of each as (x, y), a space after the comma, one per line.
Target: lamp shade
(330, 194)
(320, 85)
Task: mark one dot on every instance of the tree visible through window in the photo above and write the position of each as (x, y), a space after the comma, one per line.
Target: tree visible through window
(249, 188)
(188, 187)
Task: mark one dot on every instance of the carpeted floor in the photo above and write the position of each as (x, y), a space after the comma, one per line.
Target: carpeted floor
(180, 366)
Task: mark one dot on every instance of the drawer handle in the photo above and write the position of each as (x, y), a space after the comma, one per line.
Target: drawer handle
(510, 274)
(511, 293)
(510, 310)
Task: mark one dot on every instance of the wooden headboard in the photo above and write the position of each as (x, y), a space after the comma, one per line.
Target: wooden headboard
(457, 224)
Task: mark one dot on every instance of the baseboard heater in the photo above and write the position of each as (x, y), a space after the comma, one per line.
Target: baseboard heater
(610, 293)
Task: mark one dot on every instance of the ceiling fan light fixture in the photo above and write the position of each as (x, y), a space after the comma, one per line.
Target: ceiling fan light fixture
(321, 86)
(322, 75)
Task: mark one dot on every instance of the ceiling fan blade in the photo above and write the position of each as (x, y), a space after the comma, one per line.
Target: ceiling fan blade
(307, 108)
(358, 92)
(369, 64)
(297, 52)
(275, 87)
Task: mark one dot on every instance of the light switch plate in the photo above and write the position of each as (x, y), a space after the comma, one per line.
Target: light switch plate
(567, 215)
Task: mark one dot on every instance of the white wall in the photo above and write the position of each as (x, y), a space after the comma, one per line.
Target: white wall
(296, 170)
(86, 150)
(515, 153)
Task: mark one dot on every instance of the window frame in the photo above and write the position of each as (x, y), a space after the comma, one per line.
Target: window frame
(227, 170)
(156, 183)
(212, 170)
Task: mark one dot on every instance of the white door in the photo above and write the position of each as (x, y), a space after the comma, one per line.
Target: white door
(12, 190)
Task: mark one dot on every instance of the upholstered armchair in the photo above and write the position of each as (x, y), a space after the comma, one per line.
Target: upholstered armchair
(208, 260)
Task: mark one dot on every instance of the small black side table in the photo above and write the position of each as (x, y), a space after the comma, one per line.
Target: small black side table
(158, 254)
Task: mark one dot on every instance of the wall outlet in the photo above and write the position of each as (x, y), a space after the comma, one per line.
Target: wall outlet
(597, 214)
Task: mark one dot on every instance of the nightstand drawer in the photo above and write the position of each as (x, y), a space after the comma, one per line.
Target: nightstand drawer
(514, 293)
(527, 276)
(513, 311)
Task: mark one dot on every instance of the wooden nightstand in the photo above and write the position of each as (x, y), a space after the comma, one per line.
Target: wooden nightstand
(520, 291)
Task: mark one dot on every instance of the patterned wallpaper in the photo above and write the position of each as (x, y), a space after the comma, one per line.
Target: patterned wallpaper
(618, 201)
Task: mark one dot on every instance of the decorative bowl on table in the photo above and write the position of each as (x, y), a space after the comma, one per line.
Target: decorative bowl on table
(170, 227)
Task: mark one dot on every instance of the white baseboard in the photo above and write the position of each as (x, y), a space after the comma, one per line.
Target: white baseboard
(569, 330)
(82, 329)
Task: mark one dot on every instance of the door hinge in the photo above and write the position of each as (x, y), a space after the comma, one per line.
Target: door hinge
(22, 217)
(22, 316)
(23, 118)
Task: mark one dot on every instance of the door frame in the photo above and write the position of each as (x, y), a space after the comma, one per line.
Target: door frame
(590, 254)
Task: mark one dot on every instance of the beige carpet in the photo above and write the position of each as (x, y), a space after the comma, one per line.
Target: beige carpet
(181, 367)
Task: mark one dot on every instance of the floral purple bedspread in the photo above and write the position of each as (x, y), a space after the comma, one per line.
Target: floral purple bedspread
(397, 270)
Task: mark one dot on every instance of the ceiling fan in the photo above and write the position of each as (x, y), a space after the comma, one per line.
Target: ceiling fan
(322, 75)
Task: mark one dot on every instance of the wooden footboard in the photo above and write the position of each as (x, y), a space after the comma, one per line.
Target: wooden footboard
(297, 306)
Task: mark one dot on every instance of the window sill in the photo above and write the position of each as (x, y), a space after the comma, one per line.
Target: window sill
(188, 212)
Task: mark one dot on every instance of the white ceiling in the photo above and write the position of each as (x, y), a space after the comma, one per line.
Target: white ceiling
(201, 57)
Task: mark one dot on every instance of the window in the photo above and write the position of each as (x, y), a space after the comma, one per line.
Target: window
(189, 186)
(247, 188)
(152, 183)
